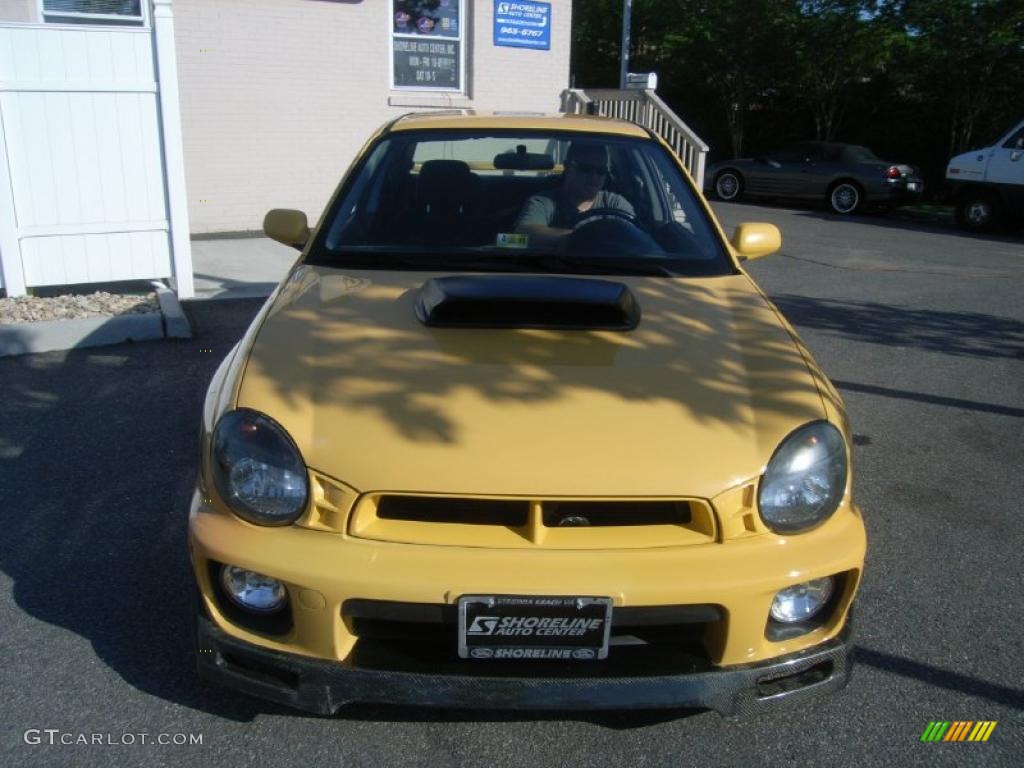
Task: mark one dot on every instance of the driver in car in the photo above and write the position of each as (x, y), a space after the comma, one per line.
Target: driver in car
(549, 218)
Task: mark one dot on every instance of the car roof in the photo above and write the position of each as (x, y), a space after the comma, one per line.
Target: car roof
(529, 121)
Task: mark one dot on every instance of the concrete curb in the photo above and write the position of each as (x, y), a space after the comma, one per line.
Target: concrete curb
(175, 323)
(53, 335)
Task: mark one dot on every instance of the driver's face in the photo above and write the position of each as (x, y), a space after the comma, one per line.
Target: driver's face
(585, 174)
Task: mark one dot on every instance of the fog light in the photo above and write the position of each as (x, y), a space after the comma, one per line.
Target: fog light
(253, 591)
(801, 601)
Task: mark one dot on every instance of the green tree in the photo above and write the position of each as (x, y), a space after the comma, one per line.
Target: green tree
(837, 45)
(962, 62)
(596, 36)
(916, 79)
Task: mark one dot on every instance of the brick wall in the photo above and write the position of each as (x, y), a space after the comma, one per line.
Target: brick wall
(277, 96)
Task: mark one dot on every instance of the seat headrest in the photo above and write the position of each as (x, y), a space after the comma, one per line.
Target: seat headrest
(451, 170)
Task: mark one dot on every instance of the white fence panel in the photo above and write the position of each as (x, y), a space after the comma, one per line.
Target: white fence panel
(93, 258)
(80, 127)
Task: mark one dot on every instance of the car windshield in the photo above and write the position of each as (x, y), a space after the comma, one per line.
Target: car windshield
(500, 201)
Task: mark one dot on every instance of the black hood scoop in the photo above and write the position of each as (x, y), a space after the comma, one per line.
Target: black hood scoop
(514, 301)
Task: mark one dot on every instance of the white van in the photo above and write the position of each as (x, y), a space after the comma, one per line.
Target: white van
(987, 184)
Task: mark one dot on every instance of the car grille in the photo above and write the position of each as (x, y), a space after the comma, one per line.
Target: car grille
(519, 523)
(411, 637)
(420, 509)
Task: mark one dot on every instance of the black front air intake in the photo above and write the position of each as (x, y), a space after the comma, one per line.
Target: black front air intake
(513, 301)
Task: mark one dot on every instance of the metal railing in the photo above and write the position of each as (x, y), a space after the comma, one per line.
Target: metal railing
(644, 108)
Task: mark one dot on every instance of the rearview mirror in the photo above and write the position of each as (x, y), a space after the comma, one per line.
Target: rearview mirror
(287, 226)
(752, 241)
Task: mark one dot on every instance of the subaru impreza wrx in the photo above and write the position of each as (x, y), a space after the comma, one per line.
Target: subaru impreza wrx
(518, 430)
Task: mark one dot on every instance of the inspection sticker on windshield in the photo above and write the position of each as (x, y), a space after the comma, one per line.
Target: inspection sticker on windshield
(512, 240)
(513, 627)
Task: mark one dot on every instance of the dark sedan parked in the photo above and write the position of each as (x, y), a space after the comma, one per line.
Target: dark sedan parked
(845, 176)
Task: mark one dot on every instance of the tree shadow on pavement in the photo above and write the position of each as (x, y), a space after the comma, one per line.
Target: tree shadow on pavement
(968, 334)
(98, 447)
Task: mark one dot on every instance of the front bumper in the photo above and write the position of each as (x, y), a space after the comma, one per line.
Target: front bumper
(322, 571)
(323, 687)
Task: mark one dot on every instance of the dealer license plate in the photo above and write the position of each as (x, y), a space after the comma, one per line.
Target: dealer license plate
(530, 628)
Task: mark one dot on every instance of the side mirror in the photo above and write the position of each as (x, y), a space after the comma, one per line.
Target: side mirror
(287, 226)
(752, 241)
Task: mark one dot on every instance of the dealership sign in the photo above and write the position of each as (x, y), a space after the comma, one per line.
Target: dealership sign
(522, 25)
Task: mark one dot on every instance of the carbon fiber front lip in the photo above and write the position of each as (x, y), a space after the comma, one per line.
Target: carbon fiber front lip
(323, 687)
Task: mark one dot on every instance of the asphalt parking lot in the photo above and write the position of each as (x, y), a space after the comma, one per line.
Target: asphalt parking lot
(920, 327)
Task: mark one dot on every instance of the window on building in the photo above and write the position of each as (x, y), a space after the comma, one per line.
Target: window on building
(428, 45)
(117, 12)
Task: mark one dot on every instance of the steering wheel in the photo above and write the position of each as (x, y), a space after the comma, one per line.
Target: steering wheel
(605, 214)
(610, 232)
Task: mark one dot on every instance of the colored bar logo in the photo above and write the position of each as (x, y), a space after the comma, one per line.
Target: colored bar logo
(958, 730)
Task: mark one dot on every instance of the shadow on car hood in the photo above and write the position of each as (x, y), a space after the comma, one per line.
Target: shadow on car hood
(692, 401)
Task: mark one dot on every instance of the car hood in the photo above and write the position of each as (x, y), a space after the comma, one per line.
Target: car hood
(691, 402)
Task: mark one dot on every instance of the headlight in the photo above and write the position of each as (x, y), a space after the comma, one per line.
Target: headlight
(805, 479)
(252, 590)
(257, 469)
(801, 602)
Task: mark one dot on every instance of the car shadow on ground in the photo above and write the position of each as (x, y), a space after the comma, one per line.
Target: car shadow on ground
(99, 446)
(899, 219)
(618, 720)
(941, 678)
(906, 220)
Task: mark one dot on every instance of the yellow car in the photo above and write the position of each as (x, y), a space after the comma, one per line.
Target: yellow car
(518, 431)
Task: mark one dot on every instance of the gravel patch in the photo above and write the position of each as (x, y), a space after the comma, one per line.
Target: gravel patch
(33, 309)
